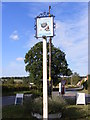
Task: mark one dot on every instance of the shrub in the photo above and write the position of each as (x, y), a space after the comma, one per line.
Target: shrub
(37, 105)
(56, 105)
(36, 93)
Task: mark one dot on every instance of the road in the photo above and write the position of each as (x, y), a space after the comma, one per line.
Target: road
(9, 100)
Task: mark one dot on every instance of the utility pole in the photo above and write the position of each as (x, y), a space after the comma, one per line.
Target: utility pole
(50, 81)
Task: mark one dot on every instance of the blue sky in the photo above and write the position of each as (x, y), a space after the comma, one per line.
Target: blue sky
(18, 32)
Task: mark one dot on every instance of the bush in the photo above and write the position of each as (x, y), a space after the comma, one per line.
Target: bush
(70, 101)
(38, 105)
(56, 105)
(36, 93)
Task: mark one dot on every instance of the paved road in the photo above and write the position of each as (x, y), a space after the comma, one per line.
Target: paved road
(9, 100)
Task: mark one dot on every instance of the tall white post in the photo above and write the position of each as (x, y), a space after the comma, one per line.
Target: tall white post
(45, 92)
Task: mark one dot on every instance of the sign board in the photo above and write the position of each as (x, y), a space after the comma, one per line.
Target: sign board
(19, 99)
(59, 87)
(63, 82)
(44, 26)
(80, 98)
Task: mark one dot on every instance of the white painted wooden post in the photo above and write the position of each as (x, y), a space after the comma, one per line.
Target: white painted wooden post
(45, 88)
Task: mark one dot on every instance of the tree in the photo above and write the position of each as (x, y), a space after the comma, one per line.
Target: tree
(75, 78)
(34, 63)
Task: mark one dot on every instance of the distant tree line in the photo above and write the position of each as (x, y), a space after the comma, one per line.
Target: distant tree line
(15, 77)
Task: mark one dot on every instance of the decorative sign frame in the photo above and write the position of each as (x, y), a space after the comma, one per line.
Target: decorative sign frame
(44, 25)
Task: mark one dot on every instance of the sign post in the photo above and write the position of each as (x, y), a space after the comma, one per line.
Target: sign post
(45, 93)
(44, 28)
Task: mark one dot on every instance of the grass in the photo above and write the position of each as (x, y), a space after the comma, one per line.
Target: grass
(76, 112)
(12, 111)
(15, 112)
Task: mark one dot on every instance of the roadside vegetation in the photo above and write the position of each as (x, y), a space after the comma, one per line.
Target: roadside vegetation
(67, 108)
(10, 88)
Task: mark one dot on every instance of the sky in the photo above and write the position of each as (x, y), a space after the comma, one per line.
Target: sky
(18, 33)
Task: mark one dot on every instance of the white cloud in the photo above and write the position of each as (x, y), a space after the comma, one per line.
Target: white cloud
(19, 59)
(14, 36)
(72, 38)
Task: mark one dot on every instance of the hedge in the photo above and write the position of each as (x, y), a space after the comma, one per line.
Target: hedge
(14, 87)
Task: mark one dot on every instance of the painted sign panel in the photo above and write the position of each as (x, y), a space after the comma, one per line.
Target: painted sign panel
(44, 27)
(19, 99)
(63, 82)
(80, 98)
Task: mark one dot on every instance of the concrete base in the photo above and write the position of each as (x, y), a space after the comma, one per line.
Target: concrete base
(51, 116)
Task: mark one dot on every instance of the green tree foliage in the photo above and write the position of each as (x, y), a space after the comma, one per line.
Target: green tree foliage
(10, 81)
(25, 80)
(75, 78)
(34, 62)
